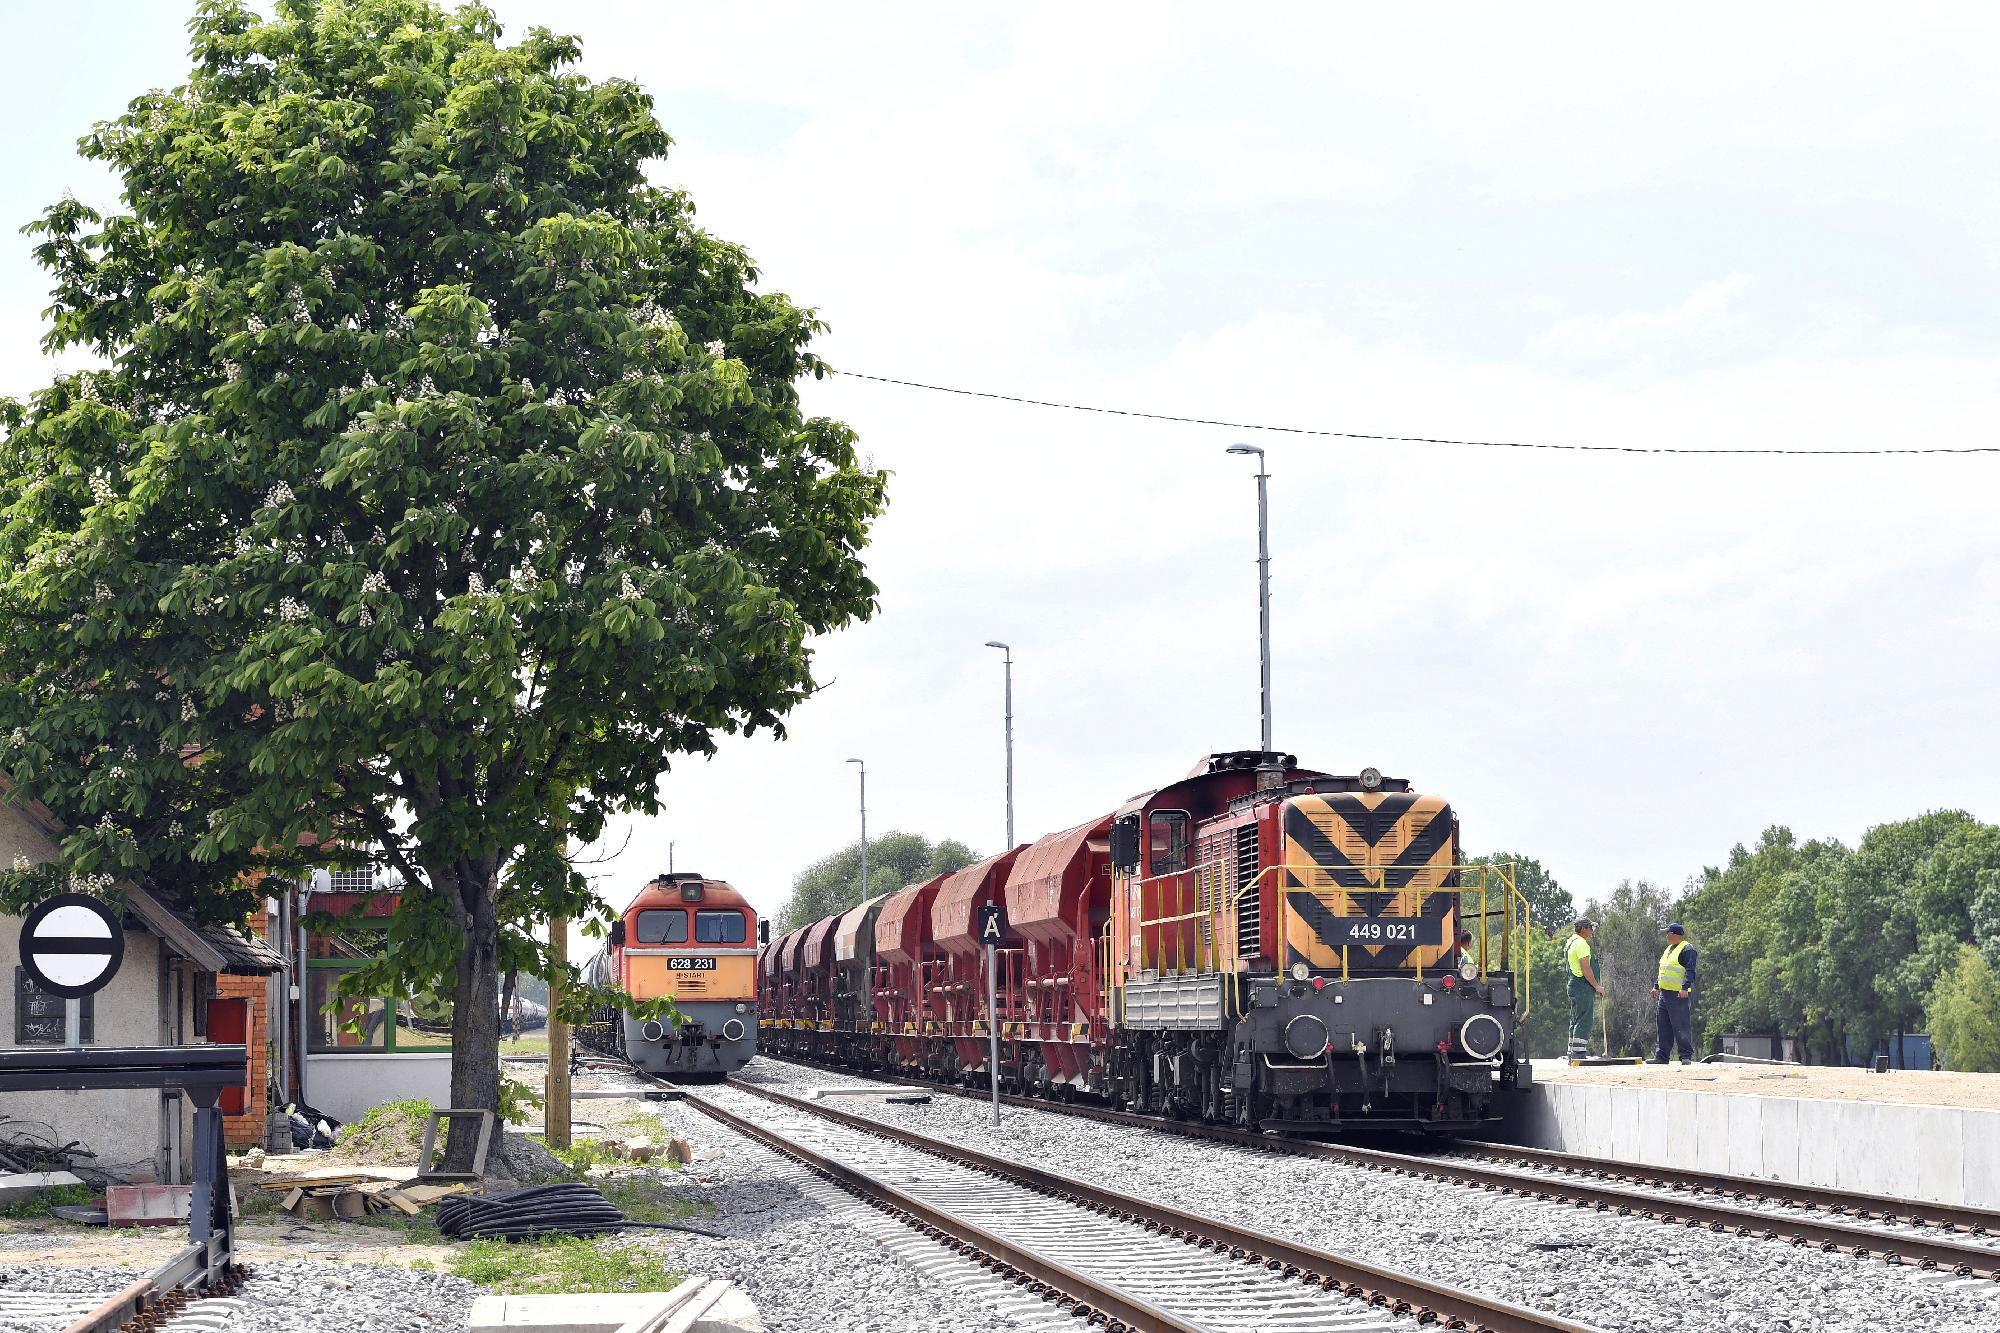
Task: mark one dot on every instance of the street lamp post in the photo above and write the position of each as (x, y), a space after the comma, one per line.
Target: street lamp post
(864, 826)
(995, 643)
(1263, 585)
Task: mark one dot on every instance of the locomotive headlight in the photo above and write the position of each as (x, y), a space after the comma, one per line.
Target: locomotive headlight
(1301, 971)
(1371, 778)
(1469, 970)
(742, 1008)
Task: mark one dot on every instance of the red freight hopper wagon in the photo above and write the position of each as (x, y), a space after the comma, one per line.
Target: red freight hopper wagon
(1058, 899)
(853, 967)
(961, 978)
(905, 959)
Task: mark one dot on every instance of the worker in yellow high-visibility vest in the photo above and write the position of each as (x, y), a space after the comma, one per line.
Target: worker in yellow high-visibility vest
(1673, 997)
(1583, 987)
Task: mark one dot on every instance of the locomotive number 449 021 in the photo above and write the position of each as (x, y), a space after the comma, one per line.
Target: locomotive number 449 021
(691, 963)
(1372, 930)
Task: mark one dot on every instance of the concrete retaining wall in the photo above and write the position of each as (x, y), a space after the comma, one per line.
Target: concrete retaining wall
(1937, 1153)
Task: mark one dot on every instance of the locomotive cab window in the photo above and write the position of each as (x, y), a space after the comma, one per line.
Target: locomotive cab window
(720, 927)
(662, 926)
(1167, 841)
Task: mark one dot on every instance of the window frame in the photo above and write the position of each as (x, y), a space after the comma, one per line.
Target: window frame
(86, 1015)
(389, 1046)
(737, 913)
(638, 938)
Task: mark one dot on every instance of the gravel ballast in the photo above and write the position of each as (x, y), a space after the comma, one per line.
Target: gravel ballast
(293, 1296)
(1623, 1275)
(814, 1258)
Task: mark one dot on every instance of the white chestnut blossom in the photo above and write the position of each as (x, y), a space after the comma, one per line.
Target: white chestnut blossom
(646, 515)
(103, 591)
(715, 347)
(291, 609)
(188, 711)
(116, 773)
(100, 491)
(22, 863)
(278, 496)
(375, 582)
(475, 585)
(626, 589)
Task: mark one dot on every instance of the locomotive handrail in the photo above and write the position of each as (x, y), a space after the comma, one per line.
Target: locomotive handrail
(1225, 911)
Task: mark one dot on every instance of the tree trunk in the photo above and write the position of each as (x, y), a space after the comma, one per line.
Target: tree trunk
(475, 1015)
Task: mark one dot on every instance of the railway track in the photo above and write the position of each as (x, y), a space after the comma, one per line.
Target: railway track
(1117, 1260)
(1895, 1231)
(151, 1303)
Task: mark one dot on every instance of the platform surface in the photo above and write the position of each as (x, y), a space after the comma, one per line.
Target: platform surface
(1903, 1087)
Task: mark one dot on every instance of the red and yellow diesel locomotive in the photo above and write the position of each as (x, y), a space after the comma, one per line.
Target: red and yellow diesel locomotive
(695, 940)
(1257, 944)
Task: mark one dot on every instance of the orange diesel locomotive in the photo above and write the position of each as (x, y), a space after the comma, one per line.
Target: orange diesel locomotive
(694, 940)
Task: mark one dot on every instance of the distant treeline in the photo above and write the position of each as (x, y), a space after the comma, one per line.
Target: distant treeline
(1837, 948)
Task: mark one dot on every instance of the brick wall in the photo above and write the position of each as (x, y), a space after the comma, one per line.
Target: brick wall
(247, 1130)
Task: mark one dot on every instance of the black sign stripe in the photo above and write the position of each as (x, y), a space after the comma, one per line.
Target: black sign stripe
(47, 944)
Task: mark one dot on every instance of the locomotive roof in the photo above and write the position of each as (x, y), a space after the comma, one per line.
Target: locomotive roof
(666, 892)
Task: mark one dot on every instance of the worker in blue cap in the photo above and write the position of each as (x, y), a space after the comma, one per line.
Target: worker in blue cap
(1673, 997)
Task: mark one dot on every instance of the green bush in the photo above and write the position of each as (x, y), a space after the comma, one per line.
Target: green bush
(1961, 1014)
(39, 1203)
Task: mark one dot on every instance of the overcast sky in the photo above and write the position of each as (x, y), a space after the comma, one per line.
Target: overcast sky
(1702, 226)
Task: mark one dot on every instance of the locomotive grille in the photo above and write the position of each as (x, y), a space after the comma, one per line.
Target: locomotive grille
(1249, 913)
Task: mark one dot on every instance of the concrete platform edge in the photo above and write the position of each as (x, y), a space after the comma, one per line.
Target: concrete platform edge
(1941, 1154)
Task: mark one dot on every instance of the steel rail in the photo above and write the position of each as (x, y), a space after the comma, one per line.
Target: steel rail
(1428, 1302)
(1045, 1276)
(116, 1312)
(1866, 1207)
(1800, 1232)
(155, 1299)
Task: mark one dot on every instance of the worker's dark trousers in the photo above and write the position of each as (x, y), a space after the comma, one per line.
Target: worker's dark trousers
(1676, 1014)
(1582, 1009)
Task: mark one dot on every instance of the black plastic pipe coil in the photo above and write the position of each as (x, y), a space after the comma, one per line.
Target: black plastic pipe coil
(542, 1210)
(573, 1210)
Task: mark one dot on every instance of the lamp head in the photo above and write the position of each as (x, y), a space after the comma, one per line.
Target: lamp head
(995, 643)
(1243, 449)
(854, 761)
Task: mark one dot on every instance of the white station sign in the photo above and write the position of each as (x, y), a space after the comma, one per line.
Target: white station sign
(72, 944)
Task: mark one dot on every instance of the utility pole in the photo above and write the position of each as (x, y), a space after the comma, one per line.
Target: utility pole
(864, 826)
(1009, 663)
(555, 1123)
(1263, 586)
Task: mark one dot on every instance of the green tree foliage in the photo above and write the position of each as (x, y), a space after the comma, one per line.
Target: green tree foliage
(1963, 1014)
(1626, 953)
(1838, 947)
(833, 883)
(1731, 911)
(442, 482)
(1545, 1028)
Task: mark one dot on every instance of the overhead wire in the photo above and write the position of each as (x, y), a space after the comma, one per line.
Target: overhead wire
(1137, 414)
